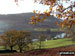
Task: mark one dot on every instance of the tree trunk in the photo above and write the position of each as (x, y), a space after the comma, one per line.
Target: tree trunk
(11, 48)
(40, 45)
(20, 50)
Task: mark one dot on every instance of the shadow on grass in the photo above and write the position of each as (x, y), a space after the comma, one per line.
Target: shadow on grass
(7, 51)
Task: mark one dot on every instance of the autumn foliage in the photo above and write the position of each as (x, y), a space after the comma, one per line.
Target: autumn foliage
(59, 12)
(62, 12)
(19, 38)
(16, 1)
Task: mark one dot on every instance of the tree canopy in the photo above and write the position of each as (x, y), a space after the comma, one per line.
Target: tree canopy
(57, 9)
(20, 38)
(67, 13)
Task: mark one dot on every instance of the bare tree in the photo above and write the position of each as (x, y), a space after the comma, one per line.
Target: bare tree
(41, 38)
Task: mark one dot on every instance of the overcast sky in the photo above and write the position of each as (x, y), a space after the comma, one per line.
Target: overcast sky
(9, 6)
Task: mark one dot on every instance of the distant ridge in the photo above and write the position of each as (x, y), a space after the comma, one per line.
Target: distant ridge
(21, 21)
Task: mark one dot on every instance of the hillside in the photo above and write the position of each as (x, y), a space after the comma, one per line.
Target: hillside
(51, 43)
(55, 43)
(44, 52)
(53, 49)
(21, 21)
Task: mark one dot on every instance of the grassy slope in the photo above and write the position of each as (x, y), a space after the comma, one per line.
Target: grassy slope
(56, 43)
(2, 47)
(51, 43)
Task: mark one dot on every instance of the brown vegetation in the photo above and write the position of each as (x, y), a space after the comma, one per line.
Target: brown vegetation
(43, 52)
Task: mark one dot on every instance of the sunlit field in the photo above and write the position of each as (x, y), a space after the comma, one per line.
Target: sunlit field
(51, 43)
(55, 43)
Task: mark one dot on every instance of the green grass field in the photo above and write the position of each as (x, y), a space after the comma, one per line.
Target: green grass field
(2, 47)
(55, 43)
(51, 43)
(45, 44)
